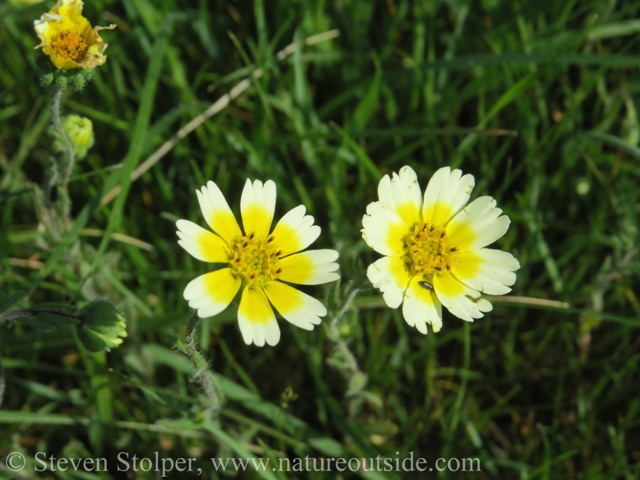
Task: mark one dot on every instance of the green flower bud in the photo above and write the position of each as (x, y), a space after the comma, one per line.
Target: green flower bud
(47, 79)
(77, 81)
(102, 328)
(60, 82)
(80, 132)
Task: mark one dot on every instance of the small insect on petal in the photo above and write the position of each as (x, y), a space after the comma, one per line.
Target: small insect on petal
(426, 285)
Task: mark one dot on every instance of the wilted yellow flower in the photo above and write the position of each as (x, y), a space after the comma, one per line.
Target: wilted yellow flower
(68, 39)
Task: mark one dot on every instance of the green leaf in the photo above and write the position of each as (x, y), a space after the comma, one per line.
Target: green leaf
(368, 105)
(11, 299)
(53, 318)
(33, 323)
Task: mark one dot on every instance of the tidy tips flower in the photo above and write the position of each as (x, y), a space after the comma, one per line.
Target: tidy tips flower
(68, 39)
(433, 247)
(257, 262)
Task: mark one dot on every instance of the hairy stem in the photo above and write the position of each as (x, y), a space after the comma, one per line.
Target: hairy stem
(203, 374)
(12, 315)
(69, 157)
(340, 343)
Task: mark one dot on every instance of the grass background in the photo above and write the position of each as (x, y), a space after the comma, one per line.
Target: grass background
(536, 99)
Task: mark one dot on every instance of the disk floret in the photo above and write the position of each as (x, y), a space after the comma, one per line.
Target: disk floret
(69, 45)
(255, 260)
(428, 250)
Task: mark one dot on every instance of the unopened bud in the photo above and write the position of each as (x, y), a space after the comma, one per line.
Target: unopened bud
(101, 327)
(60, 82)
(46, 79)
(80, 132)
(77, 81)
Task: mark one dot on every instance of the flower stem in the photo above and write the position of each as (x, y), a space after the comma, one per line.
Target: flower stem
(203, 374)
(464, 374)
(5, 317)
(340, 343)
(66, 166)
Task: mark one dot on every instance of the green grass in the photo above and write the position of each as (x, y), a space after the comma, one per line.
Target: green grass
(535, 99)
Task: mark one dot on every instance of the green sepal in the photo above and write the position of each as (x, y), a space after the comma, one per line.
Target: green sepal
(95, 341)
(98, 313)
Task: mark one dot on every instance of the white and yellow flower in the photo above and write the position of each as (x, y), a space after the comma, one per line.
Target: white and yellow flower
(258, 262)
(68, 39)
(433, 247)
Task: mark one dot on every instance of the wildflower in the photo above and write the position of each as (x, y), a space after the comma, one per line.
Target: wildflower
(68, 39)
(433, 247)
(258, 262)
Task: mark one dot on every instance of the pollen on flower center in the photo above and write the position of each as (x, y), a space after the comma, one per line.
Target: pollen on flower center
(428, 251)
(69, 45)
(255, 260)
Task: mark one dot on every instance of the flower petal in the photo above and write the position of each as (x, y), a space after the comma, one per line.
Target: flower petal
(201, 243)
(402, 195)
(478, 225)
(212, 292)
(295, 231)
(447, 193)
(391, 276)
(384, 230)
(421, 306)
(464, 302)
(486, 270)
(310, 268)
(257, 204)
(295, 306)
(217, 213)
(256, 319)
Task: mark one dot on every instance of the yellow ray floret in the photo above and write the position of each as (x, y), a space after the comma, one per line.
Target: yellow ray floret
(68, 39)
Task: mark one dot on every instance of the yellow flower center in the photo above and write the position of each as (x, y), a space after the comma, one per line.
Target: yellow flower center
(255, 260)
(428, 251)
(69, 45)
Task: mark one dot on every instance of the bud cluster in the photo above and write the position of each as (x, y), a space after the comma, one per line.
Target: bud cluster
(52, 77)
